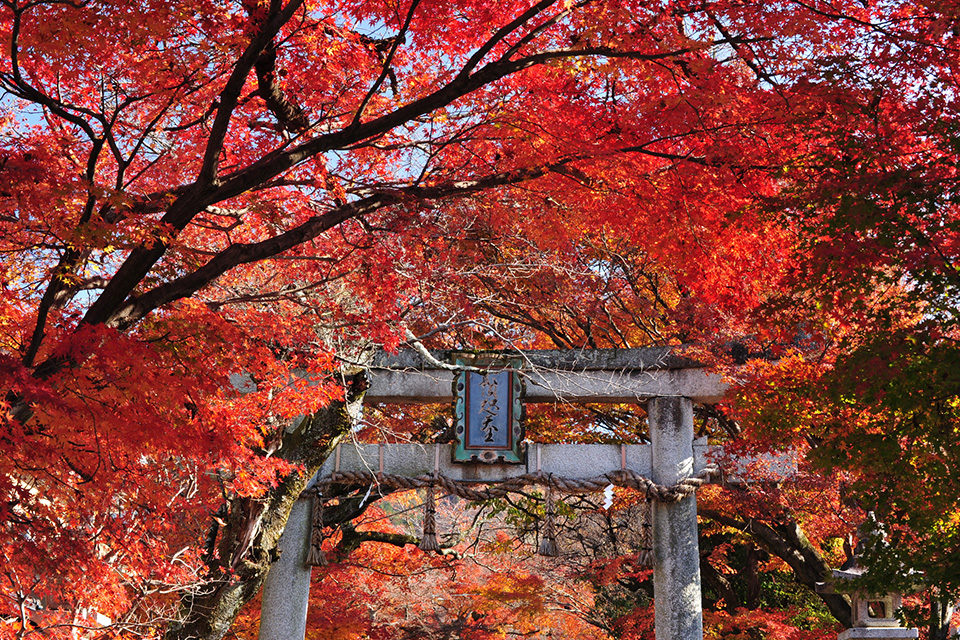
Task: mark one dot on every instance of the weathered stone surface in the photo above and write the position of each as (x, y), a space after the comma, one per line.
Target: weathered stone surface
(567, 460)
(761, 467)
(286, 591)
(670, 383)
(878, 633)
(567, 359)
(597, 375)
(543, 385)
(678, 608)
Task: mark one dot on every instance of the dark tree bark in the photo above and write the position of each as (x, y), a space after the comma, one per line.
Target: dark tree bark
(752, 577)
(941, 612)
(787, 540)
(720, 584)
(247, 545)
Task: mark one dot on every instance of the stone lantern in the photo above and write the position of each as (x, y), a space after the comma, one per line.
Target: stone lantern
(873, 614)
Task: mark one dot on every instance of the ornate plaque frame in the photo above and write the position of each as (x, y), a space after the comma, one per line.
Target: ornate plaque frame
(488, 409)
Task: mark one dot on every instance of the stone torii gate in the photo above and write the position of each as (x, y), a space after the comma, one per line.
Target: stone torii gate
(669, 385)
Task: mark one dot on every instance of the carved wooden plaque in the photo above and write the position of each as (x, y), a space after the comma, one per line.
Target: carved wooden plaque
(488, 410)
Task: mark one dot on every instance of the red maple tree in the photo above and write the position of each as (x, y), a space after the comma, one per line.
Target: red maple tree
(191, 191)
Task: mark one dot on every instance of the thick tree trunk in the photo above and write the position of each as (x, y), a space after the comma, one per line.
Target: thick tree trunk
(752, 577)
(787, 540)
(248, 542)
(941, 612)
(720, 584)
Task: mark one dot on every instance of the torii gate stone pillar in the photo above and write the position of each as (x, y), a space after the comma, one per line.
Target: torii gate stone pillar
(668, 385)
(678, 610)
(286, 591)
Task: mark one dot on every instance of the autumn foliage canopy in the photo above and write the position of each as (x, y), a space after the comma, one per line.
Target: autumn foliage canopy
(200, 201)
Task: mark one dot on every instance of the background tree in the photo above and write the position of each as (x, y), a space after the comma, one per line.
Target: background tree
(868, 315)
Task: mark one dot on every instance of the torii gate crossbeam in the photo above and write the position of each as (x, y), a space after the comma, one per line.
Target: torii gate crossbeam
(597, 376)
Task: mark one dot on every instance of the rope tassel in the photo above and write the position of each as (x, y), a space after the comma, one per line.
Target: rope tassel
(429, 540)
(646, 550)
(548, 544)
(315, 556)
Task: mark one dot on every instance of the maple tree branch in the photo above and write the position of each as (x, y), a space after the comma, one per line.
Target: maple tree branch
(231, 92)
(500, 34)
(352, 539)
(738, 47)
(23, 89)
(108, 306)
(546, 24)
(611, 52)
(873, 26)
(289, 114)
(244, 253)
(124, 163)
(787, 540)
(237, 254)
(385, 70)
(273, 164)
(196, 196)
(419, 347)
(240, 253)
(67, 265)
(692, 158)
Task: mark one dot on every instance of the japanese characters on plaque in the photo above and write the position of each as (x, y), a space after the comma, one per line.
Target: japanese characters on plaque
(488, 409)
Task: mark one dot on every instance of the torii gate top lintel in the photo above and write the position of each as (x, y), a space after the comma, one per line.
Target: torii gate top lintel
(641, 358)
(596, 376)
